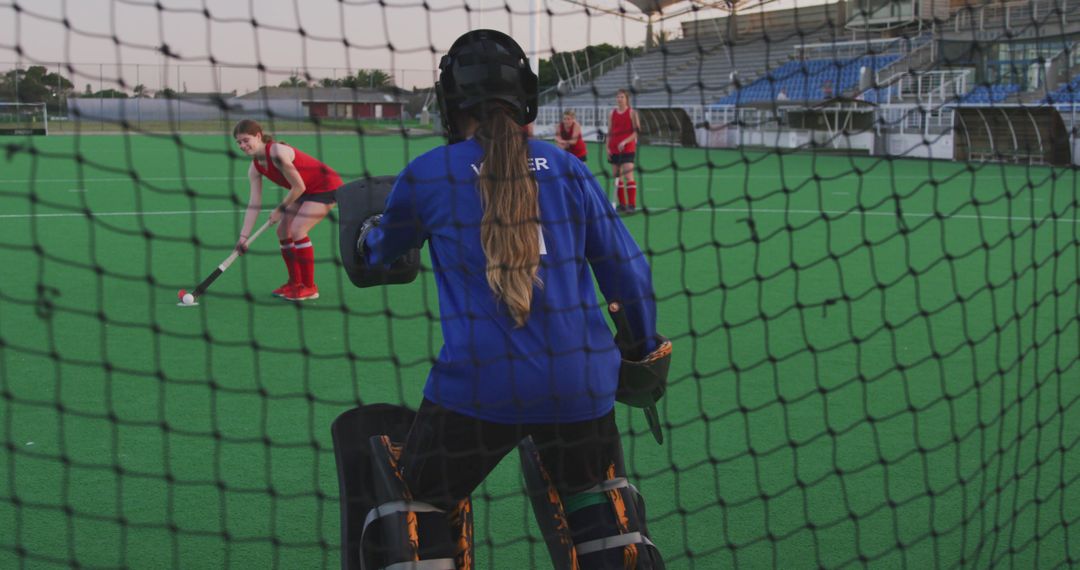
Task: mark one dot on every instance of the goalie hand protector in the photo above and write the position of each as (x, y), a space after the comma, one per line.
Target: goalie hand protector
(358, 202)
(642, 377)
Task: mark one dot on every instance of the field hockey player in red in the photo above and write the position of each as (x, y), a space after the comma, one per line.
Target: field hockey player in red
(568, 135)
(623, 127)
(311, 186)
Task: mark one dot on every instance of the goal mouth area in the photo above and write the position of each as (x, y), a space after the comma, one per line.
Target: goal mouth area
(836, 116)
(23, 119)
(22, 131)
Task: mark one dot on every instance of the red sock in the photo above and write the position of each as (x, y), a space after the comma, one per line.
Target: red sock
(305, 260)
(621, 192)
(290, 260)
(631, 189)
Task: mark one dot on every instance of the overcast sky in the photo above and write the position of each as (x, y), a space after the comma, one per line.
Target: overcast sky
(399, 35)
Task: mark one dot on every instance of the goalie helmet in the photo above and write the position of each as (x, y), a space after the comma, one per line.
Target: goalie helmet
(485, 65)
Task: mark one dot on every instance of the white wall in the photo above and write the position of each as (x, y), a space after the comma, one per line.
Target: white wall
(734, 137)
(861, 141)
(914, 146)
(906, 145)
(139, 109)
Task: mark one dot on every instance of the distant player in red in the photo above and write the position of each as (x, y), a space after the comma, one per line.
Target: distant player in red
(568, 135)
(623, 127)
(311, 186)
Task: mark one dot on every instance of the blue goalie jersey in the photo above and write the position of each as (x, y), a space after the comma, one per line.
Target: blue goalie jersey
(562, 365)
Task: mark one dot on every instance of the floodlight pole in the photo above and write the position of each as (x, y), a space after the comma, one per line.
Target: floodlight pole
(534, 35)
(649, 44)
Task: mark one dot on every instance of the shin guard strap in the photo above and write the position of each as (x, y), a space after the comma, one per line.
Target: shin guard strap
(397, 507)
(616, 541)
(582, 500)
(440, 564)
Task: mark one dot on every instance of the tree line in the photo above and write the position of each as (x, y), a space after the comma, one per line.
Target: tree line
(363, 79)
(37, 84)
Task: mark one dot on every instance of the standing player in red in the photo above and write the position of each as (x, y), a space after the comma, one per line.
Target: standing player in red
(568, 136)
(311, 186)
(623, 127)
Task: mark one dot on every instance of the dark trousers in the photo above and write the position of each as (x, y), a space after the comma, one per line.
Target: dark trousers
(447, 454)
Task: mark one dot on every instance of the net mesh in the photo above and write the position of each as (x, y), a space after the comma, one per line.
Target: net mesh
(876, 345)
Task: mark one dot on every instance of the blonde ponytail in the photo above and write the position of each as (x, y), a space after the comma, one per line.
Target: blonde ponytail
(510, 227)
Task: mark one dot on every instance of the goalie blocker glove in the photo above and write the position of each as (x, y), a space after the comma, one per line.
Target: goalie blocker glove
(360, 205)
(642, 377)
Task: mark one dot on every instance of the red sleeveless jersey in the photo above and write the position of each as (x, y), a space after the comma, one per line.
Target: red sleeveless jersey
(621, 128)
(578, 148)
(317, 176)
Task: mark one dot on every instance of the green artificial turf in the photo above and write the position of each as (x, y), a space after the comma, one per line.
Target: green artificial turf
(875, 362)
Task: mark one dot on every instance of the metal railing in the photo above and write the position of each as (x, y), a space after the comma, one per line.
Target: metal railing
(1062, 67)
(569, 85)
(936, 87)
(854, 49)
(597, 116)
(1005, 15)
(900, 118)
(587, 116)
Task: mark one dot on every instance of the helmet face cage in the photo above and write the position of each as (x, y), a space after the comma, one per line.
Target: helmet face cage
(481, 66)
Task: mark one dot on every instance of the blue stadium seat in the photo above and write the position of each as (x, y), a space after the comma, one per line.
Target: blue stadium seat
(806, 80)
(987, 94)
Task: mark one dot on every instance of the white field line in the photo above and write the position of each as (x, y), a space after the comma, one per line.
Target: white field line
(776, 211)
(849, 214)
(118, 214)
(828, 178)
(124, 179)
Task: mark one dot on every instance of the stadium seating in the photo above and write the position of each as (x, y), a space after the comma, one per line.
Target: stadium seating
(647, 67)
(690, 71)
(809, 80)
(989, 94)
(875, 95)
(1066, 93)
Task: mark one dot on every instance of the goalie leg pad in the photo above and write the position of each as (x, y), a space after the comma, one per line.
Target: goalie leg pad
(547, 508)
(402, 532)
(380, 524)
(609, 528)
(351, 433)
(603, 527)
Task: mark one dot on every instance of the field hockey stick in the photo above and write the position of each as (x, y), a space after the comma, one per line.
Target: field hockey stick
(202, 287)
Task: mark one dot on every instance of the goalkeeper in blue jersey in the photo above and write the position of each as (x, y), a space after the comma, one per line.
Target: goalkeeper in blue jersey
(516, 229)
